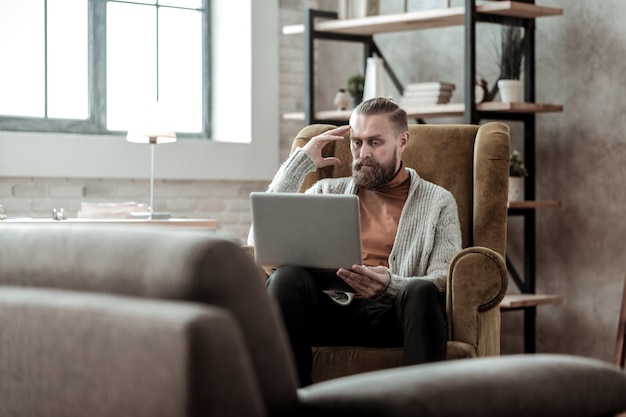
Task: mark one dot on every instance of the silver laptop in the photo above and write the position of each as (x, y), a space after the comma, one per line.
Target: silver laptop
(320, 231)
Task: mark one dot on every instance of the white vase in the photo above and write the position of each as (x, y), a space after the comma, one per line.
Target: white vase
(516, 188)
(510, 91)
(342, 99)
(374, 78)
(355, 9)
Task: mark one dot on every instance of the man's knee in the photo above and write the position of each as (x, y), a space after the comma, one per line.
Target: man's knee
(419, 297)
(419, 288)
(287, 281)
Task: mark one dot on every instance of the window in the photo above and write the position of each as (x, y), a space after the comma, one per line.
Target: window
(84, 66)
(46, 46)
(244, 103)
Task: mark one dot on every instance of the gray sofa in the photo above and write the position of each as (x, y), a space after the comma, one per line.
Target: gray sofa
(139, 321)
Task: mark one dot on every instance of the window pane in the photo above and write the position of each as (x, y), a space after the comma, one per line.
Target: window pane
(191, 4)
(22, 51)
(131, 62)
(180, 68)
(68, 95)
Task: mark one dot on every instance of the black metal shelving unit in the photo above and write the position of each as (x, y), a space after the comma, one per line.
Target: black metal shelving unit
(472, 113)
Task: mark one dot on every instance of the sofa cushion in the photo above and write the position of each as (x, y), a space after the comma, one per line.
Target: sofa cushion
(513, 386)
(69, 353)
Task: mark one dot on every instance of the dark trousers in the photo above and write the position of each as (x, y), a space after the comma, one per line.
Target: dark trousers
(416, 319)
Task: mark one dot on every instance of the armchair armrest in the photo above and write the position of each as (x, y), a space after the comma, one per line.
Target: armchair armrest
(513, 386)
(477, 283)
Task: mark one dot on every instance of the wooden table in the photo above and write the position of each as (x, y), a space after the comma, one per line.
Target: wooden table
(190, 223)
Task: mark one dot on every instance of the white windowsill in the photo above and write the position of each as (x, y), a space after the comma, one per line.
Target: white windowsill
(248, 74)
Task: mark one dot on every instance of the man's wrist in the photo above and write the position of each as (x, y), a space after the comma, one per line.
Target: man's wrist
(382, 293)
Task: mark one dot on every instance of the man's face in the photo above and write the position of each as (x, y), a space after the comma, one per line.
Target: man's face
(376, 150)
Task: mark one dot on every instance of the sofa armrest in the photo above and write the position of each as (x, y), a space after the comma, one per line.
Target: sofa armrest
(512, 386)
(477, 283)
(264, 273)
(158, 263)
(64, 352)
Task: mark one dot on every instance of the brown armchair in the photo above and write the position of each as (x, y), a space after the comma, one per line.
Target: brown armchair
(472, 162)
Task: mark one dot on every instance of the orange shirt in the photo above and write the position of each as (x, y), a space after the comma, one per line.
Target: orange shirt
(380, 215)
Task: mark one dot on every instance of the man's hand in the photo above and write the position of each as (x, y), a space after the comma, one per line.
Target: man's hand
(369, 281)
(316, 144)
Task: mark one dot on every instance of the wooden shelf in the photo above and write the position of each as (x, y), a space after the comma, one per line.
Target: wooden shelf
(424, 19)
(498, 106)
(437, 110)
(441, 110)
(534, 204)
(517, 301)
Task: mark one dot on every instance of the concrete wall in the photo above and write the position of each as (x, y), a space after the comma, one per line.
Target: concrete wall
(581, 158)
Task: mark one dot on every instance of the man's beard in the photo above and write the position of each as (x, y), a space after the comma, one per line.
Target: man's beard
(369, 179)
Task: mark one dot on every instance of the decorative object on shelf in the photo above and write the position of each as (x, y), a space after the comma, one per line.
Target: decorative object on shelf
(426, 94)
(482, 91)
(151, 131)
(59, 214)
(354, 9)
(355, 87)
(342, 99)
(510, 91)
(374, 78)
(517, 172)
(512, 45)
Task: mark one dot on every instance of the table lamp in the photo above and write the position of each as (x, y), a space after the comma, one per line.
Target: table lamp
(153, 137)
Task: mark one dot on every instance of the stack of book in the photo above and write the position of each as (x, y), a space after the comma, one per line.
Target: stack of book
(427, 94)
(110, 210)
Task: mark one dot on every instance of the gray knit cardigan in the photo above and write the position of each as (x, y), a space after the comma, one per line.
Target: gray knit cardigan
(429, 233)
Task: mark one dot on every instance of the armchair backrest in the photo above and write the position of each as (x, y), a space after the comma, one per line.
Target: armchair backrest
(471, 161)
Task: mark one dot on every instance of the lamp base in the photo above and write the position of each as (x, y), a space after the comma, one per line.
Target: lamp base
(146, 215)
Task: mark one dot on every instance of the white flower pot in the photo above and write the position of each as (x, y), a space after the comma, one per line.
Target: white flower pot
(516, 188)
(510, 91)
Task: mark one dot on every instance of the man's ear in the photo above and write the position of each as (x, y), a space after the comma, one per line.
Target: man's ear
(404, 139)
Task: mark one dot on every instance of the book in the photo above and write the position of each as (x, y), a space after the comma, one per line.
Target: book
(428, 95)
(425, 94)
(422, 102)
(430, 86)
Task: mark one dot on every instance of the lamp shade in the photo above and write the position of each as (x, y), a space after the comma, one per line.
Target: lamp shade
(156, 135)
(151, 124)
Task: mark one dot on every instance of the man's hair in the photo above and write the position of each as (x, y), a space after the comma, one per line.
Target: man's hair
(383, 105)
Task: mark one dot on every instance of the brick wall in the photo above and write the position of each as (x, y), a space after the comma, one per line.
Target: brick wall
(226, 201)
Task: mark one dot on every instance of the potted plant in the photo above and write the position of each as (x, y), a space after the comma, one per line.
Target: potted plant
(517, 172)
(512, 45)
(355, 87)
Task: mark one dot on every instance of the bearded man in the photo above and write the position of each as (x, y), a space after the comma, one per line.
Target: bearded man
(410, 232)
